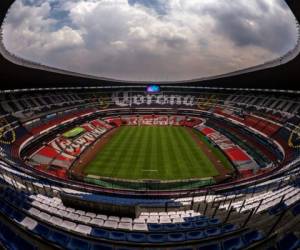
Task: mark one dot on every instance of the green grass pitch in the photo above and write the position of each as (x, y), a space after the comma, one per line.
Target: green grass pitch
(151, 152)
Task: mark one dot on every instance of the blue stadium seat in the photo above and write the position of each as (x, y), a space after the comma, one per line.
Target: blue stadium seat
(155, 227)
(195, 235)
(59, 238)
(99, 233)
(233, 244)
(214, 246)
(157, 238)
(192, 219)
(277, 208)
(99, 246)
(77, 244)
(17, 216)
(200, 224)
(7, 236)
(41, 230)
(289, 242)
(214, 221)
(119, 236)
(7, 210)
(136, 237)
(186, 225)
(252, 236)
(3, 207)
(23, 244)
(229, 228)
(126, 248)
(176, 237)
(212, 231)
(170, 227)
(296, 209)
(201, 218)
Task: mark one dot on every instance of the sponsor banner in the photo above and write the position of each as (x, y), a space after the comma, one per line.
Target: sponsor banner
(10, 133)
(233, 152)
(128, 99)
(161, 120)
(76, 146)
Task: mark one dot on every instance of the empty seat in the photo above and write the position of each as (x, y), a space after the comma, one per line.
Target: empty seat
(296, 209)
(233, 244)
(91, 215)
(176, 237)
(29, 223)
(125, 219)
(114, 218)
(200, 224)
(97, 222)
(101, 216)
(139, 220)
(214, 221)
(80, 212)
(289, 242)
(78, 244)
(178, 220)
(99, 233)
(125, 225)
(83, 229)
(119, 236)
(164, 219)
(59, 238)
(195, 235)
(136, 237)
(84, 219)
(252, 236)
(70, 225)
(212, 232)
(34, 211)
(99, 246)
(41, 230)
(170, 227)
(140, 227)
(110, 224)
(155, 227)
(44, 216)
(214, 246)
(157, 238)
(17, 216)
(152, 220)
(229, 228)
(186, 225)
(24, 244)
(56, 221)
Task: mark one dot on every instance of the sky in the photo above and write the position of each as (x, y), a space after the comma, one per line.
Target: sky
(150, 40)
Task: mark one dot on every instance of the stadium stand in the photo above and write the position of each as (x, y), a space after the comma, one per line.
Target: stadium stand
(236, 215)
(44, 205)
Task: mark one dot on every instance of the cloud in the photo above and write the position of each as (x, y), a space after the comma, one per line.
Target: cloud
(147, 40)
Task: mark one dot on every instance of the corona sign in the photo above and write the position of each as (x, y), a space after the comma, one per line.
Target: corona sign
(7, 133)
(104, 101)
(294, 139)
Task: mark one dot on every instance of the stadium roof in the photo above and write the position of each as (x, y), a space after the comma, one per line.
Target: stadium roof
(18, 73)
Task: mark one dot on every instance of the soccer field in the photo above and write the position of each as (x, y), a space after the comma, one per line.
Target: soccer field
(151, 152)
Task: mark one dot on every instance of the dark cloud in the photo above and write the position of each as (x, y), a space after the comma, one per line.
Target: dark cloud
(260, 26)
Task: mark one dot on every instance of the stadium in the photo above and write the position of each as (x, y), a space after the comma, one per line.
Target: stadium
(89, 162)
